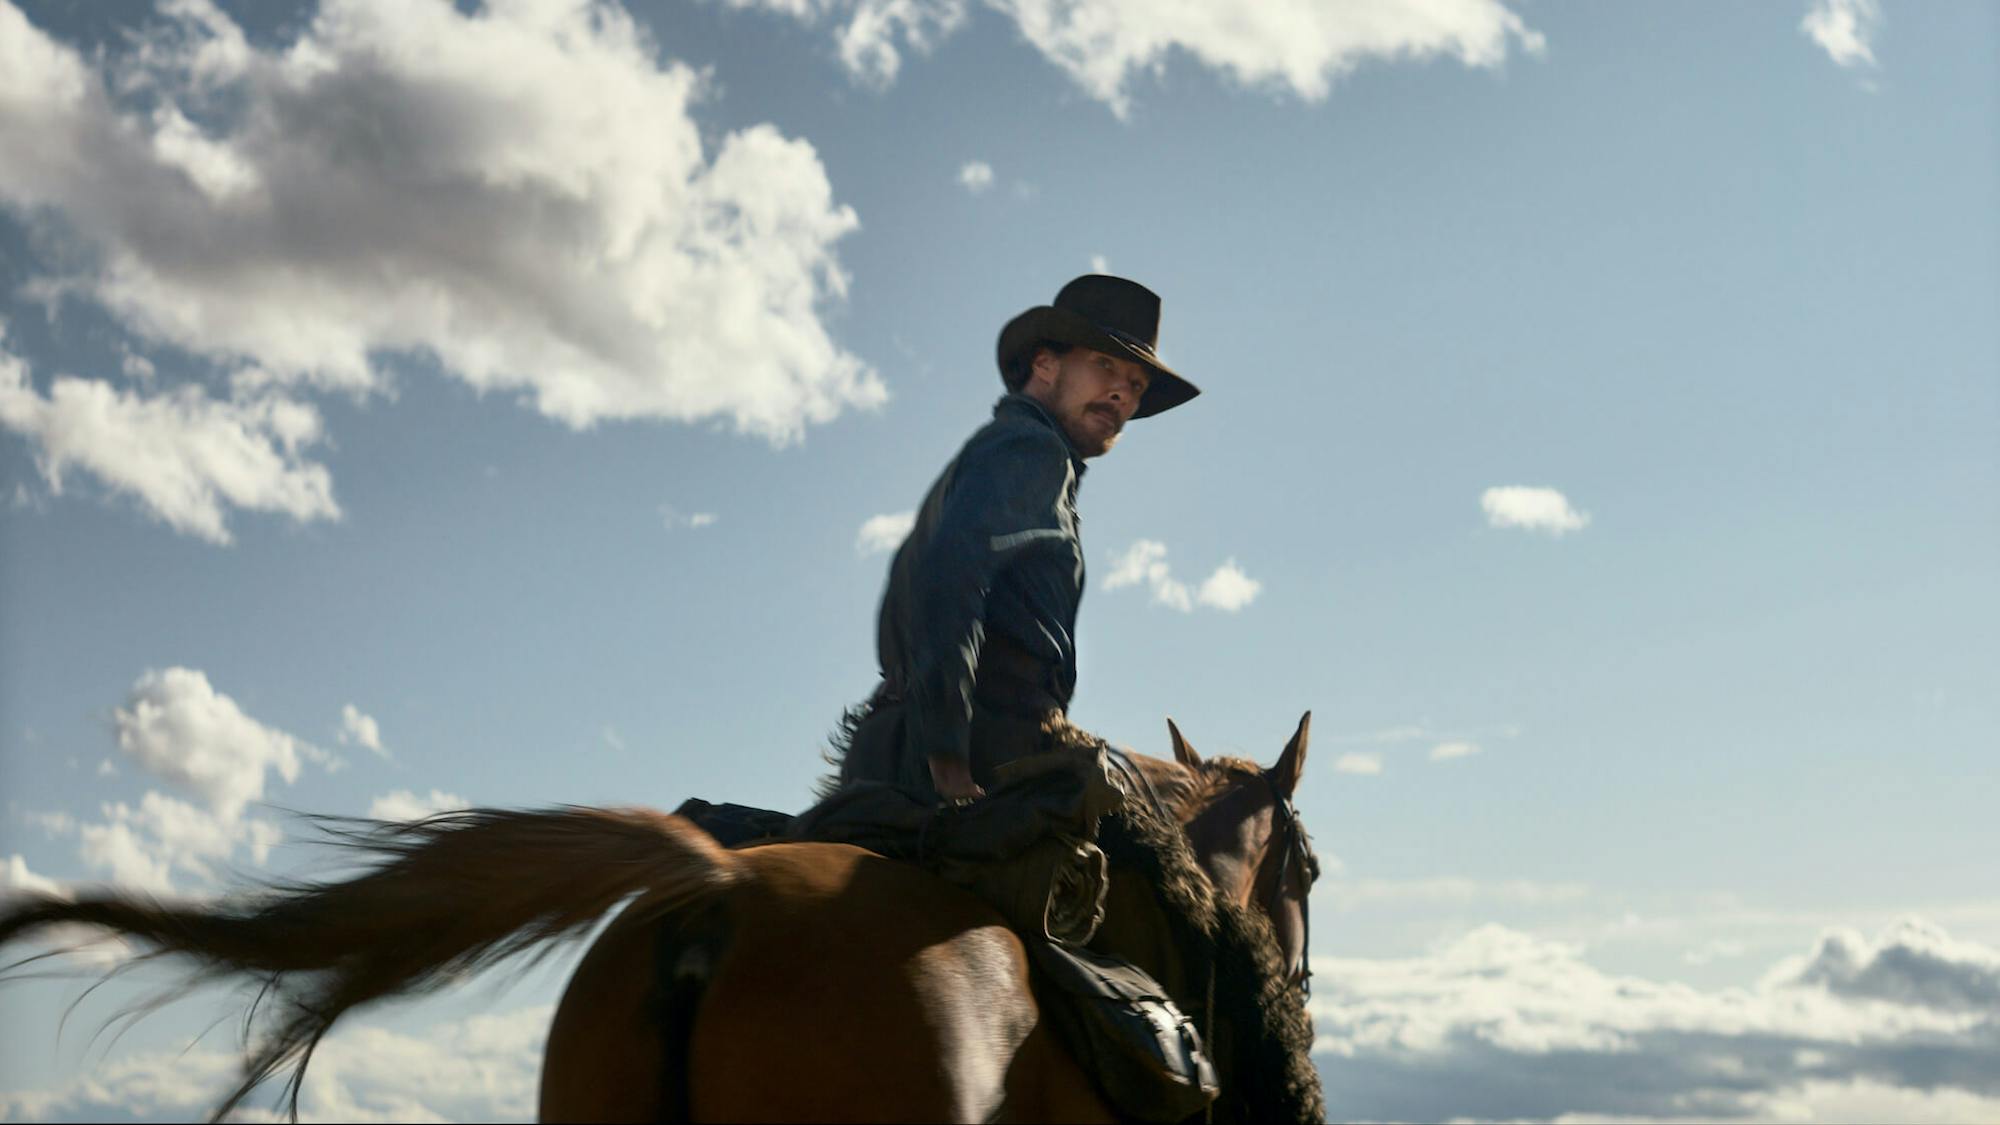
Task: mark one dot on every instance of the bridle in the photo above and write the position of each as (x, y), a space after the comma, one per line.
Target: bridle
(1297, 848)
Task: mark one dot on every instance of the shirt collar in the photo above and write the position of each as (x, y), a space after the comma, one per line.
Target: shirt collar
(1028, 407)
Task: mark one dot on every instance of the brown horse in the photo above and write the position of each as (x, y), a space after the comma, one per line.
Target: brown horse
(787, 981)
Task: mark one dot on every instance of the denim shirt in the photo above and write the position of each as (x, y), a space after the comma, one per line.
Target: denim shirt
(995, 549)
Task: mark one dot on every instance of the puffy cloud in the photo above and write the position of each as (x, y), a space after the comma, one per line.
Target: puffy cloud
(976, 176)
(1145, 561)
(1300, 46)
(360, 729)
(1457, 748)
(1367, 765)
(401, 804)
(180, 728)
(1228, 589)
(1537, 509)
(1844, 29)
(183, 454)
(884, 532)
(1503, 1025)
(520, 192)
(1914, 963)
(16, 878)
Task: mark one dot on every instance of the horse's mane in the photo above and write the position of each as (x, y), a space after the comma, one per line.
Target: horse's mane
(1271, 1037)
(838, 743)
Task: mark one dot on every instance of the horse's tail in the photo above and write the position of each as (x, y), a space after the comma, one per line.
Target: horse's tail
(448, 895)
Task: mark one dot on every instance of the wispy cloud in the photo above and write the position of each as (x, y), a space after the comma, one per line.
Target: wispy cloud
(1535, 509)
(1844, 29)
(360, 729)
(1299, 47)
(884, 532)
(976, 176)
(402, 804)
(1456, 748)
(675, 519)
(1227, 588)
(1367, 765)
(1503, 1025)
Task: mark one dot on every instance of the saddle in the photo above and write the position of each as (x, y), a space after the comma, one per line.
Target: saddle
(1027, 850)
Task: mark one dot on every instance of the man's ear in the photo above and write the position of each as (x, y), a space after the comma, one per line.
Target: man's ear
(1043, 367)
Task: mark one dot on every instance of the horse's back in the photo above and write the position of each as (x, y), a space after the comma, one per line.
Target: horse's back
(835, 985)
(858, 987)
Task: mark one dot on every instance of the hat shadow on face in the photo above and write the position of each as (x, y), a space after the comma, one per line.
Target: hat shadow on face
(1111, 315)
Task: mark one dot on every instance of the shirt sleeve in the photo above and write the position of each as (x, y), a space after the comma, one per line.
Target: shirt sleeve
(1004, 502)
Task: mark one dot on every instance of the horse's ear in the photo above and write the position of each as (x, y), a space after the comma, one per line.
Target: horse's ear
(1292, 763)
(1183, 753)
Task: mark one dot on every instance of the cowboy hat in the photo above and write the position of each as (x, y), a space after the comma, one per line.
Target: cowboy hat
(1106, 314)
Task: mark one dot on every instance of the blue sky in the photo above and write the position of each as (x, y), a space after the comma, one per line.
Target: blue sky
(407, 404)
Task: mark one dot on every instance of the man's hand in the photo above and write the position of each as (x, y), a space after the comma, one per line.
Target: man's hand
(952, 778)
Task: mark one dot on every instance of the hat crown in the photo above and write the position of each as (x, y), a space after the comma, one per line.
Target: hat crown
(1125, 307)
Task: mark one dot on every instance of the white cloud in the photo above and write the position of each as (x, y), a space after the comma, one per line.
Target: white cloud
(1228, 589)
(15, 878)
(184, 455)
(1457, 748)
(1537, 509)
(52, 824)
(1844, 29)
(1503, 1025)
(181, 729)
(1146, 561)
(1914, 963)
(693, 521)
(872, 34)
(976, 176)
(483, 1068)
(360, 729)
(884, 532)
(401, 804)
(1099, 264)
(1298, 46)
(1446, 890)
(520, 192)
(1367, 765)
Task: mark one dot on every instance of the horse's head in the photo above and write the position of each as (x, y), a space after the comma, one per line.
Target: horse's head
(1246, 835)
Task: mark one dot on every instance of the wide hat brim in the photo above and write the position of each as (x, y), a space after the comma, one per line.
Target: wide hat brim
(1167, 389)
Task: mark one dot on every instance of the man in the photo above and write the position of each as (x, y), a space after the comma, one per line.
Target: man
(977, 630)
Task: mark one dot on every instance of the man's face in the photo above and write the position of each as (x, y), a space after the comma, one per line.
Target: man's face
(1092, 395)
